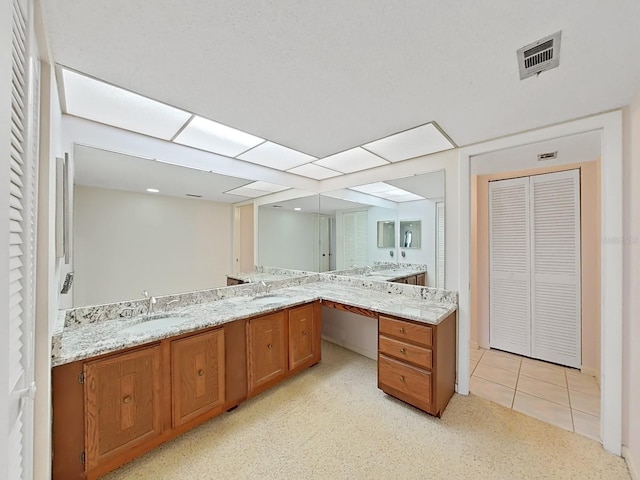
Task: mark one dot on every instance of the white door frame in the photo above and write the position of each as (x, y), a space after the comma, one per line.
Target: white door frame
(610, 127)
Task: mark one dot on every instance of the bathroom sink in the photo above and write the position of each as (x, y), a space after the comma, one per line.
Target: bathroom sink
(267, 300)
(156, 323)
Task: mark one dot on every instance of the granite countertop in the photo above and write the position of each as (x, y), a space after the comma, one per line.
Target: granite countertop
(391, 274)
(76, 340)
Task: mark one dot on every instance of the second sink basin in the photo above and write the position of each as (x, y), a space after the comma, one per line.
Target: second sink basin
(267, 300)
(145, 326)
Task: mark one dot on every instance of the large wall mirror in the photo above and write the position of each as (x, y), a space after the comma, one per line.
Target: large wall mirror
(361, 218)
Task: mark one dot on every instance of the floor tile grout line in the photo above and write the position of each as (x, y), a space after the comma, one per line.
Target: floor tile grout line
(573, 424)
(515, 389)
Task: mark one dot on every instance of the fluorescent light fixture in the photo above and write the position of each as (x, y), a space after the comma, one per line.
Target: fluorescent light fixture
(314, 171)
(98, 101)
(416, 142)
(276, 156)
(297, 209)
(257, 189)
(214, 137)
(153, 190)
(388, 192)
(351, 161)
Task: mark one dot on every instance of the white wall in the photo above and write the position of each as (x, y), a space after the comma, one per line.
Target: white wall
(631, 292)
(126, 242)
(288, 239)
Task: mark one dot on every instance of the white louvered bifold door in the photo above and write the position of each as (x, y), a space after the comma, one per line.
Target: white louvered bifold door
(555, 286)
(354, 237)
(439, 245)
(509, 304)
(23, 158)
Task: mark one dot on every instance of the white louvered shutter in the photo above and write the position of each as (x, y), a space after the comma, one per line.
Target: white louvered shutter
(439, 244)
(354, 237)
(555, 287)
(509, 267)
(23, 158)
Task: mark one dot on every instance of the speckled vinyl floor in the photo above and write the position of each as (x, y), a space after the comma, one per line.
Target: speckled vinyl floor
(331, 422)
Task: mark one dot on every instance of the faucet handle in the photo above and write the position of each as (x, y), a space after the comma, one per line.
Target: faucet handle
(145, 294)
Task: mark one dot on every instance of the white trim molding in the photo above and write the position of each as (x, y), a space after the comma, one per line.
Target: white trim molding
(633, 469)
(610, 127)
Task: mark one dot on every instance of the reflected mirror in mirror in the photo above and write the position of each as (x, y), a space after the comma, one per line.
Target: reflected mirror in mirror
(410, 233)
(387, 234)
(417, 200)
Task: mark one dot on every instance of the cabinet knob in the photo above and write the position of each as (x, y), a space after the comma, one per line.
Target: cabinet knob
(269, 346)
(304, 332)
(403, 351)
(200, 373)
(126, 399)
(402, 378)
(401, 330)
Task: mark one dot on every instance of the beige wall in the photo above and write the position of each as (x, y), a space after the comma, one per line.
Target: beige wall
(126, 242)
(631, 293)
(590, 253)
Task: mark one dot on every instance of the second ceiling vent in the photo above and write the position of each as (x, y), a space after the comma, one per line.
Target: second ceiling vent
(539, 56)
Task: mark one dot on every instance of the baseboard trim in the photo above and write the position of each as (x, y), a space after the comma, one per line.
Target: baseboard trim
(594, 372)
(633, 470)
(353, 348)
(474, 345)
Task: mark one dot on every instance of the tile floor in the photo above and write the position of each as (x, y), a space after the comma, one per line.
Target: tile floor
(561, 396)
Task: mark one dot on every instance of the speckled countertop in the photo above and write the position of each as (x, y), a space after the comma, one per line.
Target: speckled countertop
(77, 339)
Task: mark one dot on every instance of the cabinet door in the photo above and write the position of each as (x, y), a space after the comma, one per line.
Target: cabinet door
(197, 375)
(411, 280)
(122, 401)
(266, 351)
(421, 279)
(303, 343)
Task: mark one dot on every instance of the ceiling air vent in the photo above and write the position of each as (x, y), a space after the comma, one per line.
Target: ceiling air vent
(539, 56)
(193, 195)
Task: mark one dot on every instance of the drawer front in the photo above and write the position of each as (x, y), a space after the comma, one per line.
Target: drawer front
(409, 380)
(420, 356)
(421, 334)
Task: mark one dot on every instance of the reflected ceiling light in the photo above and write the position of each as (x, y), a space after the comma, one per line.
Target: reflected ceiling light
(314, 171)
(352, 160)
(153, 190)
(276, 156)
(214, 137)
(412, 143)
(388, 192)
(98, 101)
(257, 189)
(297, 209)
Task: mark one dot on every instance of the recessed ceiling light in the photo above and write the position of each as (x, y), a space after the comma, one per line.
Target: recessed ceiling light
(276, 156)
(214, 137)
(95, 100)
(416, 142)
(153, 190)
(314, 171)
(297, 209)
(351, 161)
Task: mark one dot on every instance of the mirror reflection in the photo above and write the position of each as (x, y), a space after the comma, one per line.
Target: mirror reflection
(387, 234)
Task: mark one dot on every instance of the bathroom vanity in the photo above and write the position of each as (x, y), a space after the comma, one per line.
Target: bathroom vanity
(120, 390)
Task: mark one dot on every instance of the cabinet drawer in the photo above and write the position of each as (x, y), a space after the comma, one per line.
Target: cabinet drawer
(407, 352)
(409, 380)
(421, 334)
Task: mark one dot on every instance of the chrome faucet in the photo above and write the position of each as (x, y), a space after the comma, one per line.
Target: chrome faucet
(152, 301)
(170, 302)
(368, 270)
(261, 285)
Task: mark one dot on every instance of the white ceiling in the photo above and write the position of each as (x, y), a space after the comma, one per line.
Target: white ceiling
(323, 77)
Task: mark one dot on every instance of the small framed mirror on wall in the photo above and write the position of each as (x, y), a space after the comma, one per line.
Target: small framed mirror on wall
(410, 233)
(386, 234)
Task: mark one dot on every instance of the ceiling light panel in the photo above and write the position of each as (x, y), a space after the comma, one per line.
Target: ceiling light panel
(404, 197)
(98, 101)
(276, 156)
(410, 144)
(351, 161)
(266, 187)
(314, 171)
(374, 187)
(214, 137)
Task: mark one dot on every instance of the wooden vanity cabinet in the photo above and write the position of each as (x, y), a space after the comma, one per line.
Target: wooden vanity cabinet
(266, 351)
(417, 361)
(123, 403)
(304, 336)
(418, 279)
(197, 375)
